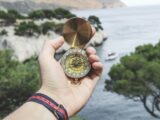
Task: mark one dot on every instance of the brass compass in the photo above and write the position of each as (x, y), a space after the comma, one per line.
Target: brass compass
(77, 32)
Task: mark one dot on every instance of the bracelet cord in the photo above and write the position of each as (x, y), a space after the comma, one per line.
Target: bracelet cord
(57, 109)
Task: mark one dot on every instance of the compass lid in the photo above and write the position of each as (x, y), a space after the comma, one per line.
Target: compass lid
(77, 32)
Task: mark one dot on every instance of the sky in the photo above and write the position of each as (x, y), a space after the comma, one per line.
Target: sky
(141, 2)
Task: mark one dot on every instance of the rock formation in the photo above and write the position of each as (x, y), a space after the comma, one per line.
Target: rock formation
(26, 47)
(29, 5)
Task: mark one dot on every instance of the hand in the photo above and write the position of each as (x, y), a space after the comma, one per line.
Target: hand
(58, 86)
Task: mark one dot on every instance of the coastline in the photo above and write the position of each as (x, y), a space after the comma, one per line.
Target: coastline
(25, 47)
(30, 5)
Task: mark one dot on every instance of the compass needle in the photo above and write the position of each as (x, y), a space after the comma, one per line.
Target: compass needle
(74, 41)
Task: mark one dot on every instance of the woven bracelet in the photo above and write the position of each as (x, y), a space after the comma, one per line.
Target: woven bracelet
(58, 110)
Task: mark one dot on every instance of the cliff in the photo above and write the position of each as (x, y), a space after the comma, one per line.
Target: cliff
(29, 5)
(26, 47)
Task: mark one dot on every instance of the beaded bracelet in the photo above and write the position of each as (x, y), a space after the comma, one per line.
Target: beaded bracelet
(57, 109)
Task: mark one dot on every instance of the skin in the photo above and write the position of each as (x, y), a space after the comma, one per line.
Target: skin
(58, 86)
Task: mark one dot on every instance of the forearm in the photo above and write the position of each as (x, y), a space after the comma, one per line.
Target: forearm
(35, 111)
(31, 111)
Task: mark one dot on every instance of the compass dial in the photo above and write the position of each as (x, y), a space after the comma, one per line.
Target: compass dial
(75, 63)
(77, 32)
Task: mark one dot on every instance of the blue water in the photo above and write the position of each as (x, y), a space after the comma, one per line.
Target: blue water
(126, 29)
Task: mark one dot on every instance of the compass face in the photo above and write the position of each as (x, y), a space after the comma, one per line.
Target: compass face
(75, 63)
(77, 32)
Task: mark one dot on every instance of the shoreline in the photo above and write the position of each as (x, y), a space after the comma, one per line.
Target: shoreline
(25, 47)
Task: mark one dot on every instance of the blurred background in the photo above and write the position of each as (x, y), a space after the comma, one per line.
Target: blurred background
(127, 41)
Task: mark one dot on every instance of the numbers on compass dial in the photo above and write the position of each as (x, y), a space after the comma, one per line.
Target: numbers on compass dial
(75, 63)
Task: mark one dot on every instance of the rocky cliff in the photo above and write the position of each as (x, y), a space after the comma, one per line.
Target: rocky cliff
(29, 5)
(26, 47)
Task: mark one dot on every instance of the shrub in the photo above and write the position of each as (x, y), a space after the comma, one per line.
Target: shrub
(58, 13)
(49, 13)
(8, 17)
(3, 32)
(51, 26)
(58, 28)
(61, 13)
(95, 22)
(17, 81)
(27, 29)
(15, 13)
(2, 14)
(38, 14)
(47, 26)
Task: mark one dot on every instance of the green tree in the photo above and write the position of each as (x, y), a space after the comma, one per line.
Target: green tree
(47, 26)
(58, 28)
(95, 22)
(15, 14)
(137, 77)
(61, 13)
(38, 14)
(58, 13)
(18, 81)
(27, 29)
(10, 19)
(49, 13)
(7, 17)
(3, 32)
(2, 14)
(51, 26)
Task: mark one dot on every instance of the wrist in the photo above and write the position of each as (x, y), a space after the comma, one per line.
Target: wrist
(31, 111)
(56, 98)
(57, 109)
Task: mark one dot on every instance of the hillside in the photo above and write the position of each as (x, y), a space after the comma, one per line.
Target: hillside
(29, 5)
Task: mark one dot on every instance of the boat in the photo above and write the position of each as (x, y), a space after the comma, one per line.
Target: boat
(111, 56)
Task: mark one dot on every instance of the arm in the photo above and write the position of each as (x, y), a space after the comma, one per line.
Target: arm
(31, 111)
(57, 86)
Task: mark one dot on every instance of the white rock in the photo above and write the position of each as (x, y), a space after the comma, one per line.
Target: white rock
(26, 47)
(98, 38)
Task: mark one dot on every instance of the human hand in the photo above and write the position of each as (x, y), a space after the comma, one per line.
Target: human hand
(58, 86)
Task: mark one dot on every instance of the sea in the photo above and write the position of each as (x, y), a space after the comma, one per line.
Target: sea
(126, 28)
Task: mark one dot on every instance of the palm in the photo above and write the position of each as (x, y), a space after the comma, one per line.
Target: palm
(72, 96)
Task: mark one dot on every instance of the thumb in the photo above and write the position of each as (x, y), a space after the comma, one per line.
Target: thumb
(50, 46)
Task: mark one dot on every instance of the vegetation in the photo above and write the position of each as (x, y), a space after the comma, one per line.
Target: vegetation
(17, 81)
(137, 77)
(8, 17)
(58, 28)
(61, 13)
(16, 14)
(95, 22)
(27, 29)
(30, 29)
(47, 26)
(38, 14)
(58, 13)
(3, 32)
(51, 26)
(2, 14)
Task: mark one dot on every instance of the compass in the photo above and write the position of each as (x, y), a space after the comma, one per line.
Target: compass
(77, 32)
